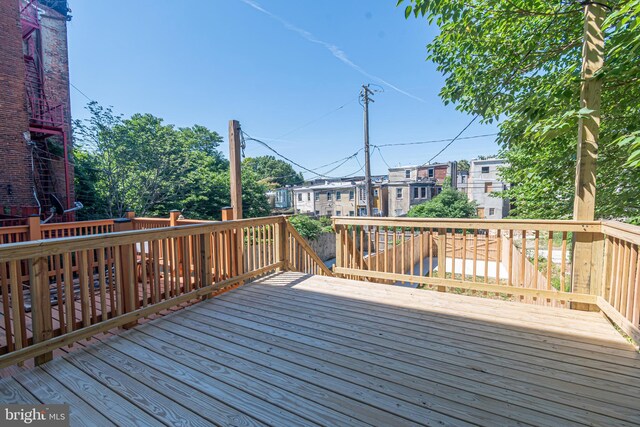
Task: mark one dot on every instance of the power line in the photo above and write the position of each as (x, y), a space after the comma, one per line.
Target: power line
(434, 141)
(316, 119)
(507, 81)
(249, 138)
(81, 92)
(382, 157)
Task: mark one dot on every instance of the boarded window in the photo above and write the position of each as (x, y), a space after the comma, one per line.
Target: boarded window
(487, 187)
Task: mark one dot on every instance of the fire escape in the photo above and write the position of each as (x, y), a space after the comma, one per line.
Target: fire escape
(47, 118)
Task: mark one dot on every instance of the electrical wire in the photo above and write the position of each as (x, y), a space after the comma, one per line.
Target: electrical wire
(316, 119)
(313, 172)
(381, 156)
(433, 141)
(507, 81)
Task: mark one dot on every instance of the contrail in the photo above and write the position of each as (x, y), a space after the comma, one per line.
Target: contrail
(335, 50)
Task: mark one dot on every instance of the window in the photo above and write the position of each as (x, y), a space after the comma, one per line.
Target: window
(351, 195)
(492, 211)
(462, 177)
(407, 173)
(317, 196)
(376, 211)
(487, 187)
(416, 192)
(431, 173)
(423, 192)
(375, 193)
(338, 195)
(398, 193)
(329, 195)
(299, 197)
(308, 197)
(338, 213)
(329, 212)
(317, 213)
(352, 213)
(361, 193)
(485, 169)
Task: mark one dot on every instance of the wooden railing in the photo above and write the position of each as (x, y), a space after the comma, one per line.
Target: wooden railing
(58, 291)
(521, 260)
(78, 228)
(301, 257)
(150, 223)
(620, 294)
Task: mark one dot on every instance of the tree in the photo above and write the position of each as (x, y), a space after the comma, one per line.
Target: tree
(450, 203)
(142, 164)
(463, 165)
(273, 172)
(519, 61)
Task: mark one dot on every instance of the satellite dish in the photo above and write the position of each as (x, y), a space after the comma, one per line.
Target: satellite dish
(58, 209)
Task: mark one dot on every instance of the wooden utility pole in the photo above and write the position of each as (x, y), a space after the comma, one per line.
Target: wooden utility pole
(367, 164)
(588, 129)
(234, 169)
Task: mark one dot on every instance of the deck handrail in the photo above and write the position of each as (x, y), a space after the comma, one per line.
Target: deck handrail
(66, 289)
(535, 254)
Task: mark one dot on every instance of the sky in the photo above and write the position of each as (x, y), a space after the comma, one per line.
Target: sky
(289, 71)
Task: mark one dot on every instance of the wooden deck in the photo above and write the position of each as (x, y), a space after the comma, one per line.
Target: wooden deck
(291, 349)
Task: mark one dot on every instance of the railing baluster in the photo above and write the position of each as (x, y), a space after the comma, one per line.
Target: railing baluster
(475, 254)
(563, 265)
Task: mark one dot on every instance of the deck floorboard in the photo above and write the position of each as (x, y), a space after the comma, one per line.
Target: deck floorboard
(290, 349)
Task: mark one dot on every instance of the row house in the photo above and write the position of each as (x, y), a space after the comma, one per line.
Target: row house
(483, 184)
(340, 198)
(413, 185)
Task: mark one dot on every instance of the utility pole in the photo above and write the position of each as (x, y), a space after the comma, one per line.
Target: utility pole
(583, 277)
(365, 93)
(234, 168)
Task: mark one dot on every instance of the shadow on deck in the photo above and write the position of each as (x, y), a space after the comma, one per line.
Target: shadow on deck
(291, 349)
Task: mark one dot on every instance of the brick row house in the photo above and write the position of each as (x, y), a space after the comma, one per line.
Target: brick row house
(35, 125)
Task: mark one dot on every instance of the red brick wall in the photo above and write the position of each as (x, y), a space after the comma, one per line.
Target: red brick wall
(15, 166)
(440, 173)
(56, 70)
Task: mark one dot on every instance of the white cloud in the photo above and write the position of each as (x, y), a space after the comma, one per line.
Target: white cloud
(335, 50)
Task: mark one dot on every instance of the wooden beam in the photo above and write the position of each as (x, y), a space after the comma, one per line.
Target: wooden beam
(627, 327)
(234, 168)
(308, 249)
(588, 128)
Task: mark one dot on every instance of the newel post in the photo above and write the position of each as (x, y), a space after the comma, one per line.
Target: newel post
(587, 265)
(339, 246)
(126, 262)
(35, 233)
(40, 304)
(442, 257)
(283, 247)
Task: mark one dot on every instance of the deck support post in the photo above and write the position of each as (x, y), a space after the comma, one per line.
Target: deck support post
(128, 271)
(283, 246)
(442, 257)
(40, 305)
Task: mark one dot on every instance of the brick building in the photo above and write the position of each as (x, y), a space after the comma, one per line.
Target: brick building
(35, 131)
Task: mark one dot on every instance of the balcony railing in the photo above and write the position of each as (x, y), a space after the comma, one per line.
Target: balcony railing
(518, 260)
(58, 291)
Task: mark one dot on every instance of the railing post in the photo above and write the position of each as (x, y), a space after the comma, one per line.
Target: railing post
(442, 256)
(128, 276)
(40, 304)
(35, 232)
(339, 246)
(129, 214)
(227, 213)
(283, 246)
(173, 217)
(587, 264)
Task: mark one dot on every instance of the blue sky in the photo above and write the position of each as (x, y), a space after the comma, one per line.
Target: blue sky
(274, 65)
